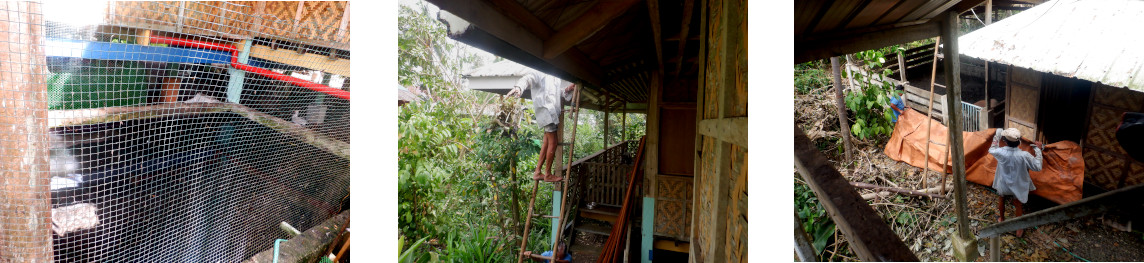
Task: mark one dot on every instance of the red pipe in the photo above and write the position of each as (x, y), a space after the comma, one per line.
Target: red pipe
(260, 71)
(296, 81)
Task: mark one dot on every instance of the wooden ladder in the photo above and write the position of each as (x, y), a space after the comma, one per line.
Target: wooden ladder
(563, 194)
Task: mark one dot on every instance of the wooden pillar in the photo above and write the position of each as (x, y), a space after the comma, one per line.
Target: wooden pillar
(606, 119)
(841, 105)
(651, 166)
(237, 77)
(949, 36)
(988, 103)
(25, 201)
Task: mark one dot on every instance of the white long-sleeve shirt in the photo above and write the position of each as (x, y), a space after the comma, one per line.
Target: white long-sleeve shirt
(1013, 165)
(545, 93)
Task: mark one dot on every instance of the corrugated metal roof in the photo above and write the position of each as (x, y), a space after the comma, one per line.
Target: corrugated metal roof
(1090, 40)
(505, 68)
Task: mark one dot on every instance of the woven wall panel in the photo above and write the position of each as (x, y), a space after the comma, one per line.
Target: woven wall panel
(706, 190)
(1102, 169)
(163, 13)
(1023, 100)
(673, 207)
(1102, 127)
(737, 206)
(1120, 98)
(1026, 76)
(206, 18)
(1135, 174)
(715, 54)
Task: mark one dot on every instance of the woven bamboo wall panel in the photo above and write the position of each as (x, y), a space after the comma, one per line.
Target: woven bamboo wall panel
(1023, 101)
(222, 17)
(318, 21)
(1121, 98)
(1025, 76)
(673, 207)
(163, 13)
(737, 213)
(1135, 174)
(1103, 123)
(706, 190)
(1102, 169)
(713, 84)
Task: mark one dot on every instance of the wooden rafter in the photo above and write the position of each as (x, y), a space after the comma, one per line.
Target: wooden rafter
(657, 38)
(688, 9)
(488, 19)
(584, 26)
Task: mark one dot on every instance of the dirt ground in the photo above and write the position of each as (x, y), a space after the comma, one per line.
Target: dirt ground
(925, 225)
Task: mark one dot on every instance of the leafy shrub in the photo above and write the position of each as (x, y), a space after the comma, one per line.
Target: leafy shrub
(811, 76)
(868, 99)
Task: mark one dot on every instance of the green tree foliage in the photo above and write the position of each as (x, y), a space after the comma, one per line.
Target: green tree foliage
(868, 99)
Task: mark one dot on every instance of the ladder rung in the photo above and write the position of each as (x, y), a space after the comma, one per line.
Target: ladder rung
(564, 143)
(544, 216)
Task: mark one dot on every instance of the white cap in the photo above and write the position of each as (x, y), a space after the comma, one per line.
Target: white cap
(1012, 134)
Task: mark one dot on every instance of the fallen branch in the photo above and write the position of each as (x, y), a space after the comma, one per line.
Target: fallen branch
(894, 190)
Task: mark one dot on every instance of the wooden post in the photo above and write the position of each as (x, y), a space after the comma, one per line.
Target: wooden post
(841, 104)
(144, 38)
(237, 77)
(902, 68)
(25, 201)
(953, 97)
(607, 101)
(988, 103)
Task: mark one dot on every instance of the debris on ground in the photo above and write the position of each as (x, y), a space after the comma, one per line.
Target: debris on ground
(926, 225)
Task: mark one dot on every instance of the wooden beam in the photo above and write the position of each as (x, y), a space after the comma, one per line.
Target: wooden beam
(653, 15)
(733, 130)
(847, 44)
(671, 245)
(688, 9)
(306, 60)
(584, 26)
(1129, 197)
(488, 20)
(25, 197)
(870, 238)
(949, 32)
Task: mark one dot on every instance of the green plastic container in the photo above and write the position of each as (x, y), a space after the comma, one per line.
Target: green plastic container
(97, 84)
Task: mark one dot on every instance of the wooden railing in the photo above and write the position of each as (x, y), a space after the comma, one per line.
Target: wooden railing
(600, 176)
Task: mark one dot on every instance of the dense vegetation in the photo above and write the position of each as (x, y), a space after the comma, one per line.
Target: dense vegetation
(466, 157)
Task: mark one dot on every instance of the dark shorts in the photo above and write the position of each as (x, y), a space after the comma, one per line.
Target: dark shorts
(551, 127)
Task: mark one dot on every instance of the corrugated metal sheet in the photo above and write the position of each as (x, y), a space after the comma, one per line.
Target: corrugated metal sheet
(1091, 40)
(505, 68)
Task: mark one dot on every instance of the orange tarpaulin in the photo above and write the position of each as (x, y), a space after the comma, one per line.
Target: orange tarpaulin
(1062, 168)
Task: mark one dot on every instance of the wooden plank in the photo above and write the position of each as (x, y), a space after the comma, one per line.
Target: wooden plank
(671, 245)
(592, 20)
(733, 130)
(870, 238)
(840, 44)
(306, 60)
(1128, 197)
(25, 198)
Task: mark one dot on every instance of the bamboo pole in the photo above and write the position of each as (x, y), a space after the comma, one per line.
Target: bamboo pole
(527, 222)
(567, 172)
(841, 105)
(988, 103)
(929, 114)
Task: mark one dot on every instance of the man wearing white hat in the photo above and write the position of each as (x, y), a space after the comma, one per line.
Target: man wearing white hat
(1013, 165)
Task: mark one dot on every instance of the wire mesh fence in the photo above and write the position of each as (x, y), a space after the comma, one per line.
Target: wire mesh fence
(169, 131)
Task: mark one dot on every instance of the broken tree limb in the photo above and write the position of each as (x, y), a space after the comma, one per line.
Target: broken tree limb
(893, 190)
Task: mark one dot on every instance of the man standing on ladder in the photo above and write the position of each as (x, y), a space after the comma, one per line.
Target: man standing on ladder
(545, 102)
(1012, 173)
